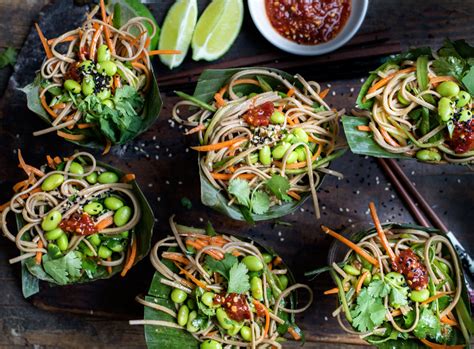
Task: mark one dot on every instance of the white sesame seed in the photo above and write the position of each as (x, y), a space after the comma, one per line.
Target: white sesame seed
(459, 180)
(386, 188)
(358, 192)
(167, 182)
(341, 209)
(333, 93)
(201, 219)
(150, 185)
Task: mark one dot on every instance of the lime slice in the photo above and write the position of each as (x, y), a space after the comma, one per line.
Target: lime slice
(217, 29)
(177, 31)
(128, 9)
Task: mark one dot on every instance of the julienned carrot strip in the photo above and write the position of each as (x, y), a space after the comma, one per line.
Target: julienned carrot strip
(93, 44)
(117, 83)
(106, 222)
(267, 316)
(294, 195)
(388, 138)
(192, 277)
(396, 312)
(131, 258)
(219, 100)
(57, 160)
(146, 71)
(129, 177)
(290, 122)
(217, 146)
(39, 254)
(163, 52)
(109, 268)
(440, 346)
(364, 128)
(28, 168)
(290, 92)
(176, 257)
(246, 81)
(436, 296)
(46, 47)
(385, 80)
(21, 185)
(277, 261)
(334, 290)
(351, 245)
(324, 93)
(85, 125)
(227, 176)
(361, 281)
(106, 29)
(380, 232)
(50, 162)
(198, 128)
(108, 145)
(296, 336)
(70, 136)
(47, 108)
(66, 39)
(448, 321)
(437, 79)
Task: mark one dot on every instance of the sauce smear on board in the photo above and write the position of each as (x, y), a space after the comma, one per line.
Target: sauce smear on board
(308, 22)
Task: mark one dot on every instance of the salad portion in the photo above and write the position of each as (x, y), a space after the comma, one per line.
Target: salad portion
(96, 86)
(266, 140)
(418, 104)
(402, 286)
(213, 290)
(77, 220)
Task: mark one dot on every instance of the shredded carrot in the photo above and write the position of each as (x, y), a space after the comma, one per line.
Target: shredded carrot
(163, 52)
(334, 290)
(351, 245)
(59, 106)
(364, 128)
(130, 258)
(66, 39)
(129, 177)
(217, 146)
(4, 206)
(267, 316)
(296, 336)
(440, 346)
(289, 121)
(46, 47)
(146, 71)
(70, 136)
(106, 222)
(106, 29)
(85, 125)
(385, 80)
(294, 195)
(436, 296)
(50, 162)
(198, 128)
(191, 277)
(380, 232)
(448, 321)
(396, 312)
(176, 257)
(109, 268)
(108, 145)
(324, 93)
(361, 281)
(277, 261)
(57, 160)
(219, 100)
(290, 92)
(117, 83)
(94, 40)
(28, 168)
(47, 108)
(227, 176)
(21, 185)
(437, 79)
(39, 254)
(388, 138)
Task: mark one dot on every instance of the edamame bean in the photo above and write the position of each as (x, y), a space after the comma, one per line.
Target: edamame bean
(290, 138)
(113, 203)
(301, 135)
(72, 85)
(253, 94)
(396, 278)
(178, 296)
(445, 109)
(265, 155)
(253, 263)
(86, 66)
(103, 53)
(63, 242)
(93, 208)
(292, 158)
(301, 153)
(253, 158)
(376, 277)
(92, 178)
(54, 234)
(124, 234)
(108, 103)
(211, 344)
(189, 326)
(104, 252)
(256, 287)
(94, 239)
(183, 315)
(107, 67)
(76, 168)
(116, 245)
(283, 281)
(277, 117)
(108, 177)
(236, 326)
(87, 85)
(448, 89)
(223, 319)
(466, 115)
(428, 155)
(267, 257)
(103, 94)
(402, 99)
(246, 333)
(208, 299)
(86, 250)
(349, 269)
(463, 98)
(122, 216)
(368, 278)
(420, 296)
(52, 182)
(280, 150)
(51, 221)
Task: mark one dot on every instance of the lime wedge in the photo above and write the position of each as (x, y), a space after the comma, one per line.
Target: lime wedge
(217, 29)
(177, 31)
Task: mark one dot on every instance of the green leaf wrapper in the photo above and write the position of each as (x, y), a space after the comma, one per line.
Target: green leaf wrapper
(208, 84)
(32, 273)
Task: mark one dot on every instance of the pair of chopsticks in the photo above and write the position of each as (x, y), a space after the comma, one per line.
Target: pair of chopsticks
(424, 214)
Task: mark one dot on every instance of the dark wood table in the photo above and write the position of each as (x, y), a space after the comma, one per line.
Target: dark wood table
(95, 315)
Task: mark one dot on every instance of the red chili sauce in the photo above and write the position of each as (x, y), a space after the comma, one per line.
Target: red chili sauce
(79, 224)
(234, 305)
(463, 137)
(259, 116)
(308, 22)
(408, 264)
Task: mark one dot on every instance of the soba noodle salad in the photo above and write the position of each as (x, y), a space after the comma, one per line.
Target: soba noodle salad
(96, 85)
(419, 104)
(402, 286)
(267, 139)
(77, 220)
(214, 291)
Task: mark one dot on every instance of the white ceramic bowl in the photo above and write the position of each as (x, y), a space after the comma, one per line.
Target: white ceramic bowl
(261, 20)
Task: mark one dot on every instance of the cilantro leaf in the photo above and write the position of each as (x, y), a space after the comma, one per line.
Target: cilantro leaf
(449, 66)
(428, 324)
(8, 56)
(90, 267)
(63, 269)
(260, 202)
(238, 279)
(240, 188)
(368, 313)
(378, 288)
(468, 81)
(223, 266)
(398, 297)
(210, 229)
(279, 186)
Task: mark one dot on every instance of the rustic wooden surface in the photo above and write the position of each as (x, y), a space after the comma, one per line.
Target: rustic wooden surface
(166, 172)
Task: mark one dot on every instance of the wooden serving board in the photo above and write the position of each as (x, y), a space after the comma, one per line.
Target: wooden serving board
(167, 171)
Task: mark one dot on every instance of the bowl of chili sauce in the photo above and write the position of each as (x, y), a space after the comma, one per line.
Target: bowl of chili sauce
(310, 27)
